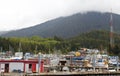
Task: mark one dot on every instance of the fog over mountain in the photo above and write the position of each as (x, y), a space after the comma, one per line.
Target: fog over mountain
(69, 26)
(3, 32)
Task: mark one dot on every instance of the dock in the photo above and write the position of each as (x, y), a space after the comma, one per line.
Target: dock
(64, 74)
(76, 74)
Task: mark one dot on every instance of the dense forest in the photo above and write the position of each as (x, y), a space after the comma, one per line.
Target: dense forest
(94, 39)
(97, 39)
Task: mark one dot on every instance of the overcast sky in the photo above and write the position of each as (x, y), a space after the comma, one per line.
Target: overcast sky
(17, 14)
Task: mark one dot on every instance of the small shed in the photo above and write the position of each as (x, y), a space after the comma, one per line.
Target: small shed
(21, 65)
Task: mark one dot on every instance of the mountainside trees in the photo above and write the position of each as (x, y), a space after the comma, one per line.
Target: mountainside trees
(94, 39)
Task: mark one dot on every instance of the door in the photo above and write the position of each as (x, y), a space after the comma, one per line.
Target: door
(34, 67)
(30, 68)
(6, 68)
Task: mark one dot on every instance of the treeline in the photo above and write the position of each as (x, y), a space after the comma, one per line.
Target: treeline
(99, 39)
(35, 44)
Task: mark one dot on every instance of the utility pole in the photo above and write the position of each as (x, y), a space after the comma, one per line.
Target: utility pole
(111, 31)
(117, 59)
(39, 62)
(93, 61)
(19, 47)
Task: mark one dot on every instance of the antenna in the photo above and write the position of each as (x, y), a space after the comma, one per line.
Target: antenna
(111, 30)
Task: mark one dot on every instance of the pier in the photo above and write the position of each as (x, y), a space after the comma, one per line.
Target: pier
(65, 74)
(76, 74)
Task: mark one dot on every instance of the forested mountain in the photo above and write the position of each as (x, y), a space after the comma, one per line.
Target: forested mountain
(3, 32)
(96, 39)
(93, 39)
(70, 26)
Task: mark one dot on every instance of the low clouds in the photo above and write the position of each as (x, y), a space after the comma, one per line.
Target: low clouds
(17, 14)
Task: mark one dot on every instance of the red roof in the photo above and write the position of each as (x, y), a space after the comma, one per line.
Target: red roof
(23, 61)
